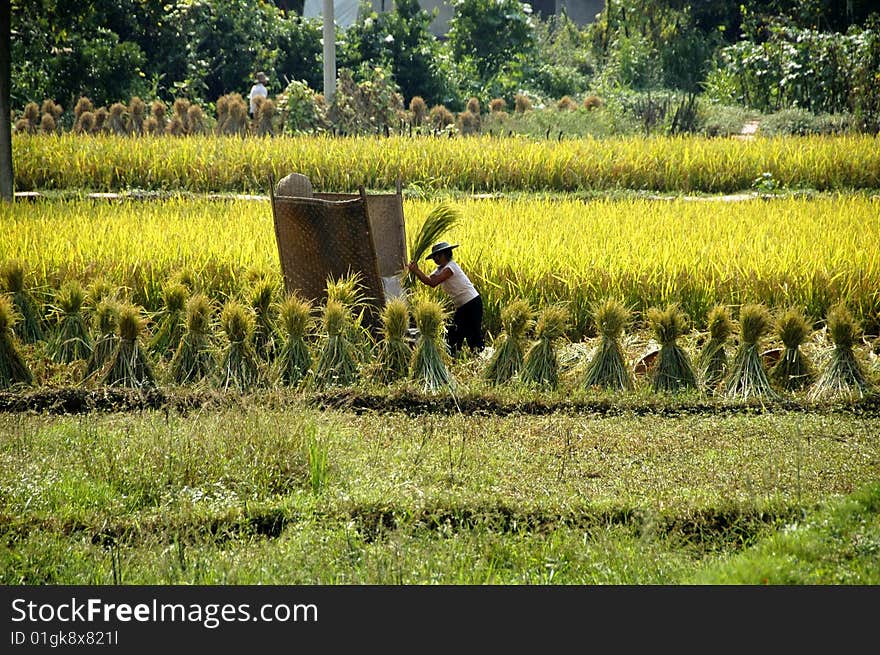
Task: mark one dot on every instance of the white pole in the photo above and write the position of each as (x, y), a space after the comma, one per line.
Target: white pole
(329, 52)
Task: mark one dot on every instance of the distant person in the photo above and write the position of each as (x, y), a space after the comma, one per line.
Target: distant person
(258, 90)
(467, 321)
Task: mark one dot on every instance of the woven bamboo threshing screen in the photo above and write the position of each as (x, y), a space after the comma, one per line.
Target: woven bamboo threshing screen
(319, 238)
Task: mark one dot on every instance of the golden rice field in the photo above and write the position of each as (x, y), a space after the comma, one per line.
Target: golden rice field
(485, 163)
(784, 251)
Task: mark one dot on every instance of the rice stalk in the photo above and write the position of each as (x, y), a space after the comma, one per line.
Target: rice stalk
(169, 330)
(793, 371)
(13, 368)
(440, 219)
(29, 327)
(71, 341)
(239, 368)
(541, 361)
(712, 361)
(429, 358)
(106, 324)
(337, 363)
(194, 360)
(517, 319)
(129, 365)
(673, 370)
(395, 352)
(607, 368)
(748, 377)
(843, 375)
(296, 321)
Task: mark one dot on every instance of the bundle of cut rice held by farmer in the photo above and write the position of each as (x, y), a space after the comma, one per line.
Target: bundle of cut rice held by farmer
(541, 362)
(169, 330)
(712, 361)
(13, 368)
(747, 377)
(106, 323)
(843, 375)
(430, 360)
(793, 371)
(129, 365)
(262, 299)
(507, 359)
(296, 321)
(440, 219)
(239, 368)
(337, 363)
(194, 360)
(673, 370)
(395, 352)
(71, 341)
(607, 368)
(29, 327)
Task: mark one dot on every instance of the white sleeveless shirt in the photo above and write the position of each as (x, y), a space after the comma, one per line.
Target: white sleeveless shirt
(457, 286)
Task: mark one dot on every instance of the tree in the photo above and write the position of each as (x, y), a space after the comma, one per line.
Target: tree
(6, 176)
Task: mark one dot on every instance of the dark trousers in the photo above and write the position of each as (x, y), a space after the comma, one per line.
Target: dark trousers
(466, 327)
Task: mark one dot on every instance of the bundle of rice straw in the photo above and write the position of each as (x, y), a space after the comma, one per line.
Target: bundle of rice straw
(129, 366)
(541, 363)
(712, 361)
(348, 290)
(430, 358)
(98, 290)
(194, 359)
(793, 371)
(294, 357)
(262, 300)
(337, 363)
(517, 319)
(843, 375)
(29, 327)
(13, 369)
(607, 368)
(106, 322)
(239, 368)
(395, 352)
(169, 330)
(747, 376)
(673, 370)
(439, 220)
(72, 340)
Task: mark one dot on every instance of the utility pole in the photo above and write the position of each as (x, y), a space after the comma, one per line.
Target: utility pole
(329, 52)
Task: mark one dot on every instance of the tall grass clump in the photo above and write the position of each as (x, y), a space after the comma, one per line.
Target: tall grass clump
(294, 357)
(843, 374)
(793, 371)
(169, 330)
(429, 358)
(29, 327)
(13, 369)
(239, 368)
(337, 363)
(130, 366)
(673, 370)
(395, 352)
(712, 361)
(71, 340)
(262, 300)
(106, 325)
(517, 319)
(607, 368)
(541, 362)
(748, 377)
(194, 360)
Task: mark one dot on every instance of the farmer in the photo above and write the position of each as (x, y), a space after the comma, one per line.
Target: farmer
(258, 89)
(467, 322)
